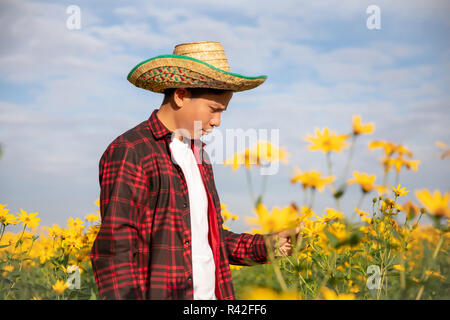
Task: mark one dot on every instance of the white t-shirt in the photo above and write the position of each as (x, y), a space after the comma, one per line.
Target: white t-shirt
(203, 267)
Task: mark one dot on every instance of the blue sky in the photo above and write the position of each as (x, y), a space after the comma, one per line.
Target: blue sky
(64, 95)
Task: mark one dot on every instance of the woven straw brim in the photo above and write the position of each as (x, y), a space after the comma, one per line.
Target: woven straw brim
(178, 71)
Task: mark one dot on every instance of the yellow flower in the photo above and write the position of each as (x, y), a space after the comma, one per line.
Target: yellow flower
(326, 141)
(76, 224)
(91, 217)
(45, 250)
(330, 215)
(7, 269)
(312, 228)
(72, 239)
(401, 150)
(277, 220)
(435, 274)
(436, 204)
(389, 205)
(226, 215)
(261, 151)
(365, 216)
(60, 286)
(329, 294)
(364, 229)
(381, 189)
(3, 210)
(399, 191)
(340, 268)
(243, 158)
(28, 220)
(97, 203)
(364, 180)
(388, 147)
(410, 209)
(306, 212)
(311, 179)
(268, 152)
(398, 267)
(5, 217)
(305, 255)
(411, 164)
(353, 287)
(54, 231)
(91, 234)
(359, 128)
(235, 267)
(338, 230)
(261, 293)
(399, 162)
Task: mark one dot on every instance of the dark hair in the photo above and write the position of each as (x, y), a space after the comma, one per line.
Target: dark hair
(195, 92)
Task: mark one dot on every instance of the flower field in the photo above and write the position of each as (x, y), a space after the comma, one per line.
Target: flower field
(386, 252)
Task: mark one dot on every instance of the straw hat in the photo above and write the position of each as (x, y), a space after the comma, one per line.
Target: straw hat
(192, 65)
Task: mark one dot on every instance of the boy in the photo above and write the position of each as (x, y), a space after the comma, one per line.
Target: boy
(161, 235)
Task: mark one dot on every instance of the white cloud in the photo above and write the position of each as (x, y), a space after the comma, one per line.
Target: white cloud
(83, 100)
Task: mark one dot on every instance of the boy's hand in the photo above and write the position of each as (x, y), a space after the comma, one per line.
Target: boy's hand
(281, 241)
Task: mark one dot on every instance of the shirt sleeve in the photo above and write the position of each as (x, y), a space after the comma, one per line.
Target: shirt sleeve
(245, 249)
(123, 186)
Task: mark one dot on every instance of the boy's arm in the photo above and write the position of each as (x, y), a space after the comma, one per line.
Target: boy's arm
(123, 187)
(244, 248)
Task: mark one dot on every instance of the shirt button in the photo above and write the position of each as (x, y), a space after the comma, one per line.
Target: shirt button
(186, 242)
(189, 278)
(185, 205)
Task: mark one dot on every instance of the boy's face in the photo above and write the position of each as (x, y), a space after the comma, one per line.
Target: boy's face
(207, 109)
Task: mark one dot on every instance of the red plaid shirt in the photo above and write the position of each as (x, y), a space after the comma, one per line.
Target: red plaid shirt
(143, 248)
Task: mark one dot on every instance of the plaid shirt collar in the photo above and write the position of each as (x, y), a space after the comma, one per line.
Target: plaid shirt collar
(159, 130)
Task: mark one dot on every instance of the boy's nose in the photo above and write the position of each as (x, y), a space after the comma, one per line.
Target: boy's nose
(215, 122)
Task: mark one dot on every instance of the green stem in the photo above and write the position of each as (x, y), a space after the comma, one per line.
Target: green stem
(20, 238)
(3, 230)
(306, 284)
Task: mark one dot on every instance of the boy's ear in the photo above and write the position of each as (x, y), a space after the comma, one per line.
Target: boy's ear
(179, 96)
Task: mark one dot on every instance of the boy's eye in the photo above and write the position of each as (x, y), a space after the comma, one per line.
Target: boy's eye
(216, 110)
